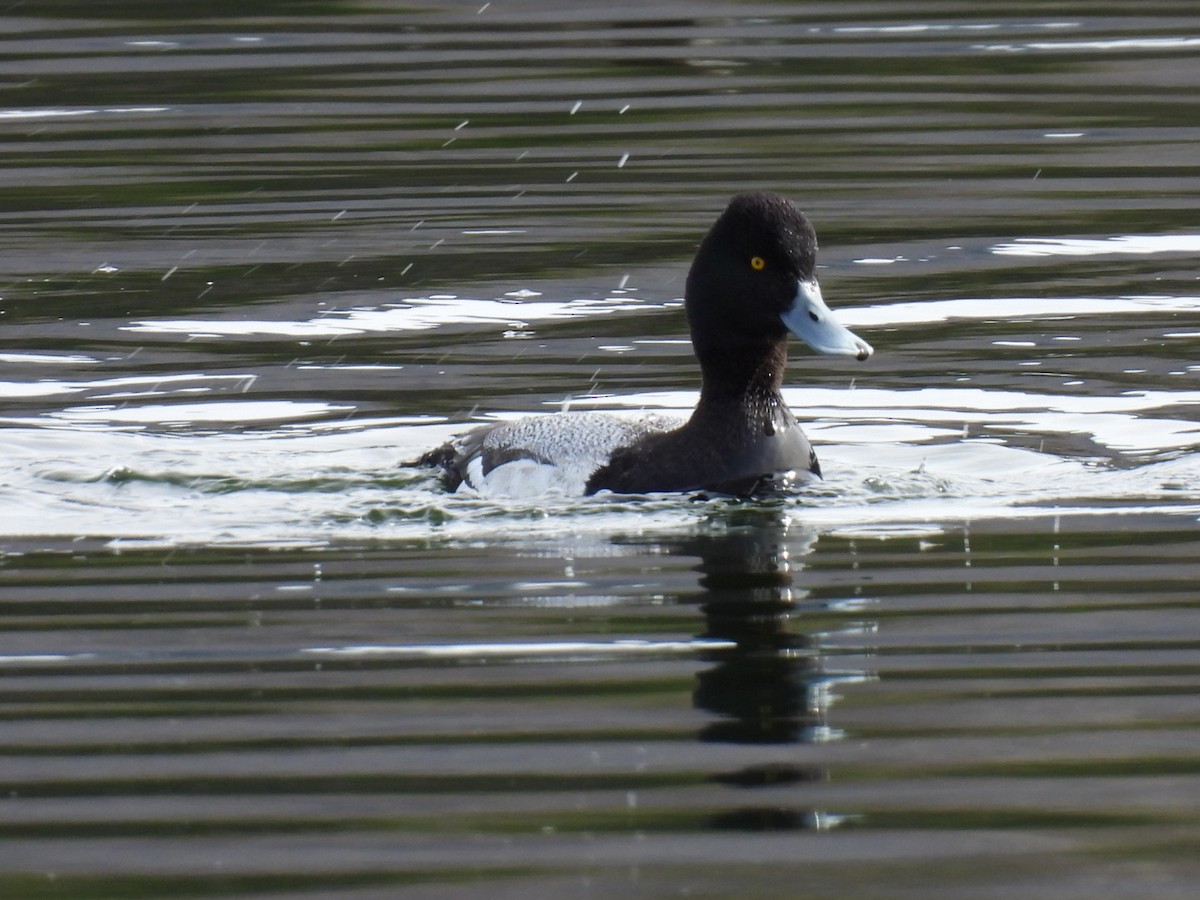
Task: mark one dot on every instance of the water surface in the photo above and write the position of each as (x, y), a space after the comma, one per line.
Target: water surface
(256, 257)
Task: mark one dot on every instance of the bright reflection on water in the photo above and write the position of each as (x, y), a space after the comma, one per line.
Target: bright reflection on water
(1126, 243)
(416, 314)
(252, 265)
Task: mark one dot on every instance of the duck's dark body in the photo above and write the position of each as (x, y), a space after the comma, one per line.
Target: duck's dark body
(746, 442)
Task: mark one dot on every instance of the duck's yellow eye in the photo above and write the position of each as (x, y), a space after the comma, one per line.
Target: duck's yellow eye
(757, 263)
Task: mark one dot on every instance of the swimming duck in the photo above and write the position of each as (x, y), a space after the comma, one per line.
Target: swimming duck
(753, 281)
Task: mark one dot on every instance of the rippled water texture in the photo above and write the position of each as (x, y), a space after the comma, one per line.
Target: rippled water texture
(257, 255)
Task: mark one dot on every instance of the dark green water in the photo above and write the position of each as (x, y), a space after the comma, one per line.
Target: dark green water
(256, 255)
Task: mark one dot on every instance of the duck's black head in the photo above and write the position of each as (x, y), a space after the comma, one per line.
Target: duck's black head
(754, 279)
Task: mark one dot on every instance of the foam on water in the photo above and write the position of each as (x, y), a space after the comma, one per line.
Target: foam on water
(887, 459)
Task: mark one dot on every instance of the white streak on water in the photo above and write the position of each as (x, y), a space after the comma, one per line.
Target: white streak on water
(417, 314)
(1126, 243)
(551, 649)
(28, 114)
(192, 413)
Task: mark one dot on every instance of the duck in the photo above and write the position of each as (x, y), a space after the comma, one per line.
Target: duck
(752, 283)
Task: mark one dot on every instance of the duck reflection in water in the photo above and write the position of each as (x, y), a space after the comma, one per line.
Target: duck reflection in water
(773, 686)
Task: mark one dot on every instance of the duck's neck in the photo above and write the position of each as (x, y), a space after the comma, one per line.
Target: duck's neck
(742, 381)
